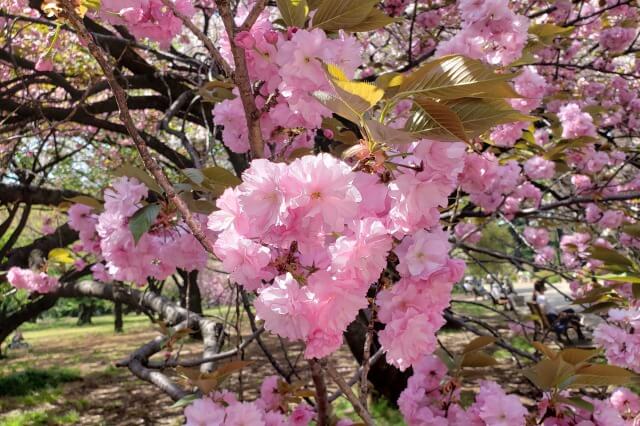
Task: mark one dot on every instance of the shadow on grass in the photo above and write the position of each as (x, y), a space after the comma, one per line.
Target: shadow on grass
(31, 380)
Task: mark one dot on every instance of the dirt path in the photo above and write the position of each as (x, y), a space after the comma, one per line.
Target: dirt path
(107, 395)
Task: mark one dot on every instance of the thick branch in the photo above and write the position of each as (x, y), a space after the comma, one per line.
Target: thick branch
(242, 80)
(34, 195)
(323, 408)
(61, 237)
(121, 98)
(353, 399)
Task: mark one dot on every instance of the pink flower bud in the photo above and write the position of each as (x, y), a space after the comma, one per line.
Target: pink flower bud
(328, 133)
(290, 32)
(271, 37)
(44, 64)
(245, 40)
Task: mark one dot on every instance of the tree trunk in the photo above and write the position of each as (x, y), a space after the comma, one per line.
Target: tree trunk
(85, 314)
(387, 380)
(28, 312)
(118, 321)
(190, 290)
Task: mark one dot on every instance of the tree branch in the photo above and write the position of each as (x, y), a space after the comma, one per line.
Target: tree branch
(121, 98)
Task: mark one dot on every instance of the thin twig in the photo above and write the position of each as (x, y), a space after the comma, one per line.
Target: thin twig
(323, 408)
(125, 116)
(348, 393)
(217, 57)
(243, 82)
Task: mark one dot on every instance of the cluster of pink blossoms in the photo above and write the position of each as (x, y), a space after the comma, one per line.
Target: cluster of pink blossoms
(538, 238)
(312, 236)
(531, 86)
(620, 338)
(539, 168)
(425, 401)
(158, 253)
(575, 123)
(607, 219)
(467, 232)
(37, 282)
(490, 31)
(289, 65)
(619, 409)
(149, 19)
(617, 39)
(223, 409)
(491, 185)
(430, 399)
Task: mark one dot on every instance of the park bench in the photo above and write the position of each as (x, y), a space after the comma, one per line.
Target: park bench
(542, 326)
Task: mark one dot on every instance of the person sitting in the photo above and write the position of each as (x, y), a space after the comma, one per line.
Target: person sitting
(17, 341)
(502, 297)
(467, 284)
(478, 289)
(560, 321)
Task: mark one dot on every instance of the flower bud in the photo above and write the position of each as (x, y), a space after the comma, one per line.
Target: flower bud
(44, 64)
(271, 37)
(245, 40)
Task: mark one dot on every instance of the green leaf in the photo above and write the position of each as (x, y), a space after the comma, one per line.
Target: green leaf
(455, 76)
(185, 400)
(333, 15)
(358, 96)
(602, 375)
(194, 175)
(593, 295)
(436, 120)
(212, 179)
(216, 90)
(294, 12)
(526, 58)
(60, 255)
(374, 20)
(609, 256)
(547, 32)
(600, 307)
(142, 220)
(620, 278)
(548, 373)
(354, 91)
(352, 98)
(87, 201)
(478, 343)
(477, 359)
(576, 356)
(335, 73)
(198, 206)
(578, 402)
(220, 176)
(388, 80)
(338, 106)
(445, 358)
(544, 349)
(558, 149)
(632, 229)
(141, 175)
(388, 135)
(477, 116)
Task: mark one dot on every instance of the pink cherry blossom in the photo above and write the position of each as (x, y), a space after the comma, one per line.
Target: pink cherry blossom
(539, 168)
(575, 123)
(37, 282)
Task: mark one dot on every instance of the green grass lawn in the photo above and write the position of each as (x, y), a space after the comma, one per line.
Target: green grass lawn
(62, 328)
(53, 382)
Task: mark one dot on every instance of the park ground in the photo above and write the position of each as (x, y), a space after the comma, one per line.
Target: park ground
(68, 375)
